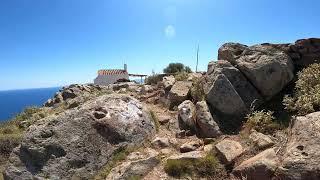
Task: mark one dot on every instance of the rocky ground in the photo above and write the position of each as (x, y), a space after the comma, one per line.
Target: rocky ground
(191, 128)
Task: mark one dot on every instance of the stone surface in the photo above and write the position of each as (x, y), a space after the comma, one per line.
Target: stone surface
(267, 68)
(163, 119)
(179, 92)
(76, 94)
(261, 166)
(168, 82)
(222, 96)
(249, 94)
(137, 167)
(302, 156)
(231, 51)
(228, 150)
(208, 148)
(190, 146)
(206, 124)
(260, 140)
(79, 142)
(161, 142)
(193, 155)
(186, 115)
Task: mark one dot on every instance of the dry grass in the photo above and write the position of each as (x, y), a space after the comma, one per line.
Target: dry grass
(262, 121)
(205, 167)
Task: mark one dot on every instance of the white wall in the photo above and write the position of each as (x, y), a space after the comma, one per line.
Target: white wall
(105, 80)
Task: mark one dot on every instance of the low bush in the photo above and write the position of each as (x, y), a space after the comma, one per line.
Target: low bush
(197, 91)
(205, 167)
(154, 79)
(306, 97)
(181, 76)
(262, 121)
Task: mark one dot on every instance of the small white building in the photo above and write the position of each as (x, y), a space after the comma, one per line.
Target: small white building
(110, 76)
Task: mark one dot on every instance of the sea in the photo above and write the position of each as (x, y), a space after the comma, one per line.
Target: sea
(13, 102)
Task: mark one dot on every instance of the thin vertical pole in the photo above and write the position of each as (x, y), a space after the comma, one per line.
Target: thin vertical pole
(197, 58)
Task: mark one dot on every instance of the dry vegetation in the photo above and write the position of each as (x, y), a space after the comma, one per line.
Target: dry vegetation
(306, 98)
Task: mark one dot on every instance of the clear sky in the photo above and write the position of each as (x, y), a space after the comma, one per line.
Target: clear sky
(46, 43)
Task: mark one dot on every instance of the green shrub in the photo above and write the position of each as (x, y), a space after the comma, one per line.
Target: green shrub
(197, 91)
(181, 76)
(205, 167)
(173, 68)
(154, 79)
(306, 98)
(262, 121)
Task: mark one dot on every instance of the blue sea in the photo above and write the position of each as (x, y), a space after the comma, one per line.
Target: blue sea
(14, 101)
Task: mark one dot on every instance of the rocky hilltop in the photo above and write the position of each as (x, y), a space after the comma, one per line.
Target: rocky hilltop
(231, 122)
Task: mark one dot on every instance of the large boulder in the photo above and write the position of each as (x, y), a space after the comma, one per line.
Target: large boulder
(186, 115)
(261, 166)
(179, 92)
(207, 127)
(221, 95)
(77, 143)
(301, 159)
(267, 68)
(249, 95)
(231, 51)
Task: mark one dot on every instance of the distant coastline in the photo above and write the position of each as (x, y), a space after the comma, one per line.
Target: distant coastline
(12, 102)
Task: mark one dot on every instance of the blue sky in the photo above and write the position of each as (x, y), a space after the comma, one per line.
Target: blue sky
(45, 43)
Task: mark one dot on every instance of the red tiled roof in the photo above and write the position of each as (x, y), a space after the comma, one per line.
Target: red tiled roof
(112, 71)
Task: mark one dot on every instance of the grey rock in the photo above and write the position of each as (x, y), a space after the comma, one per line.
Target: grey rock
(79, 142)
(267, 68)
(207, 127)
(222, 96)
(231, 51)
(160, 142)
(186, 115)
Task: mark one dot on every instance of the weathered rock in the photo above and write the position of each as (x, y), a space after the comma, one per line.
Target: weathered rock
(190, 146)
(249, 95)
(146, 89)
(161, 142)
(179, 92)
(79, 142)
(261, 166)
(230, 51)
(261, 141)
(228, 150)
(136, 167)
(76, 94)
(222, 96)
(168, 82)
(164, 119)
(193, 155)
(186, 115)
(208, 148)
(302, 156)
(267, 68)
(194, 76)
(206, 124)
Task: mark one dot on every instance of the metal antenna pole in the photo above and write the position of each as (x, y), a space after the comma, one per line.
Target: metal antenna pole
(197, 58)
